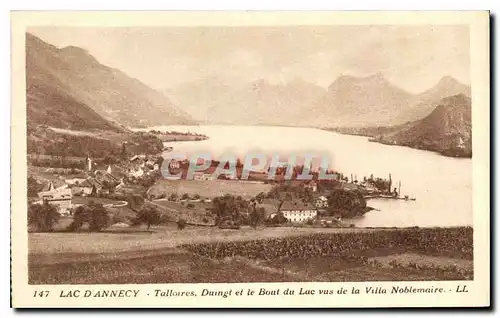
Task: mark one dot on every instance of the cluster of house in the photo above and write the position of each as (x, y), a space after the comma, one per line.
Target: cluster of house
(141, 165)
(99, 182)
(97, 179)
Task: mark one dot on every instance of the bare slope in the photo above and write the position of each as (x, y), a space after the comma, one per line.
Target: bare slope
(108, 91)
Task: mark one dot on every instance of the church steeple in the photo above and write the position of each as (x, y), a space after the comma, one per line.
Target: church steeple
(89, 163)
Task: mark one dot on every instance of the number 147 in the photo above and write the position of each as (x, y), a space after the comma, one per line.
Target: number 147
(41, 293)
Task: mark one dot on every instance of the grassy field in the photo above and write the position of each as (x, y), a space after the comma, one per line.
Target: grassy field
(160, 237)
(131, 256)
(197, 213)
(209, 188)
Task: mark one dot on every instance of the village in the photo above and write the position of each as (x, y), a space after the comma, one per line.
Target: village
(96, 181)
(126, 187)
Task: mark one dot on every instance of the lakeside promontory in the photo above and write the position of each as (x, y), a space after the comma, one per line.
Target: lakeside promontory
(168, 136)
(446, 130)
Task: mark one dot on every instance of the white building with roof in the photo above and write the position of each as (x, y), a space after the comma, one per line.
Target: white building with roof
(60, 197)
(297, 211)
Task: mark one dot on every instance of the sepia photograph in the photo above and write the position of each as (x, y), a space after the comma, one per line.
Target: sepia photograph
(259, 153)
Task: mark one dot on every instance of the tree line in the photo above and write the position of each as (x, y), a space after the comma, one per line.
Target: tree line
(92, 217)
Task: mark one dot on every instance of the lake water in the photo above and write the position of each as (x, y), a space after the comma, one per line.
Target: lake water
(441, 185)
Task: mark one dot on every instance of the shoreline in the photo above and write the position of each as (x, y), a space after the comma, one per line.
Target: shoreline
(339, 130)
(174, 136)
(373, 138)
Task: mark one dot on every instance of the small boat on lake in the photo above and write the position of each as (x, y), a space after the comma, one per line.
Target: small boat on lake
(392, 197)
(395, 195)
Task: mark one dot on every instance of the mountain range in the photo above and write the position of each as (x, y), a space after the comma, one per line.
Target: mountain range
(349, 101)
(212, 100)
(358, 101)
(70, 93)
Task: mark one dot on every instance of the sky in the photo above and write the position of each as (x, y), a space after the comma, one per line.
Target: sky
(412, 57)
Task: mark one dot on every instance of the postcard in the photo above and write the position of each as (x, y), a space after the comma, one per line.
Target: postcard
(250, 159)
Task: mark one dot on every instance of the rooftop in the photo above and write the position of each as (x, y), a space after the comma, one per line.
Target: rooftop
(297, 205)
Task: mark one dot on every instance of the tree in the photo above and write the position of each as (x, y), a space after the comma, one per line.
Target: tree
(99, 217)
(94, 214)
(123, 153)
(43, 216)
(93, 192)
(185, 196)
(33, 187)
(260, 197)
(173, 197)
(196, 196)
(227, 208)
(149, 216)
(135, 201)
(346, 203)
(109, 159)
(181, 224)
(257, 216)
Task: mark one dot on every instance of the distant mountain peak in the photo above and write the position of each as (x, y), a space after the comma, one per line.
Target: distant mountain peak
(447, 86)
(450, 83)
(374, 76)
(77, 53)
(346, 81)
(448, 80)
(74, 50)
